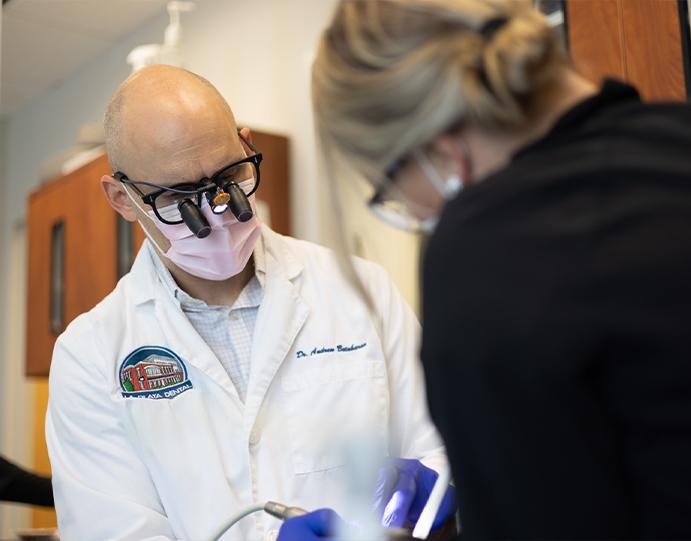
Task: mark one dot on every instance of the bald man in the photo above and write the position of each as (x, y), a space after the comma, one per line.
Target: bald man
(232, 363)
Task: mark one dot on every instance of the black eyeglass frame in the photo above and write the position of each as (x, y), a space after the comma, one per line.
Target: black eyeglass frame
(388, 180)
(198, 193)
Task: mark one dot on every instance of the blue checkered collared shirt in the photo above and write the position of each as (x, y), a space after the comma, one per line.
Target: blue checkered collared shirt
(227, 330)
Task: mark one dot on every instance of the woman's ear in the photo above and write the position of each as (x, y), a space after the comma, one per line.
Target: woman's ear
(453, 154)
(118, 198)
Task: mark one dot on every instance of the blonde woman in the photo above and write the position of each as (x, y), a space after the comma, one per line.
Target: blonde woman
(557, 297)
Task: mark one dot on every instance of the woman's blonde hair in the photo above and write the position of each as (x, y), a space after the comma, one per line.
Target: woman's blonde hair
(390, 75)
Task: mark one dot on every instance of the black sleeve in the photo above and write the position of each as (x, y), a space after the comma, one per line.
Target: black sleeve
(18, 485)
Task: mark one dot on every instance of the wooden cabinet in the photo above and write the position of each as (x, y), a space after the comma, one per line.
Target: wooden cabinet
(274, 188)
(76, 206)
(639, 41)
(73, 244)
(595, 38)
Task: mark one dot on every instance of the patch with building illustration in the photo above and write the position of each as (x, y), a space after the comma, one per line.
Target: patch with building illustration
(153, 372)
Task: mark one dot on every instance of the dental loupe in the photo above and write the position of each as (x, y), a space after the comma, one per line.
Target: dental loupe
(220, 201)
(194, 219)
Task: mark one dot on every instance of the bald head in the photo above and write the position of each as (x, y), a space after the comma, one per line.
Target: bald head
(166, 115)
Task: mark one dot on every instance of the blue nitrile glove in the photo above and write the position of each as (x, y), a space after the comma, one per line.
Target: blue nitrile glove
(319, 524)
(402, 490)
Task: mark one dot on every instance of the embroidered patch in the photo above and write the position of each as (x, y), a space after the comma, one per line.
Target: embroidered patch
(153, 372)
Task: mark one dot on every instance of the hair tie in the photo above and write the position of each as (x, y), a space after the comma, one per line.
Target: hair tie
(488, 29)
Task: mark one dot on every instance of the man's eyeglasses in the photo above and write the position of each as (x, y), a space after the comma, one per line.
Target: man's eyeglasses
(220, 191)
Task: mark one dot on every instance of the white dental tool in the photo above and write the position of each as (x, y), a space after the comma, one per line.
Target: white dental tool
(424, 523)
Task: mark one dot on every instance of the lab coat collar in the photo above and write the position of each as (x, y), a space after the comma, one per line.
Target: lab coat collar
(280, 319)
(275, 246)
(144, 274)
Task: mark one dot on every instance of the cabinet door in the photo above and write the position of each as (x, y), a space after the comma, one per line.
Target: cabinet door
(654, 57)
(71, 257)
(274, 189)
(596, 40)
(639, 41)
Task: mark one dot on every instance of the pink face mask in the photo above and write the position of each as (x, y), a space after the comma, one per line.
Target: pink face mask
(222, 254)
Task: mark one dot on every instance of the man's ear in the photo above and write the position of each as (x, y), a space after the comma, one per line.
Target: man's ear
(247, 136)
(118, 199)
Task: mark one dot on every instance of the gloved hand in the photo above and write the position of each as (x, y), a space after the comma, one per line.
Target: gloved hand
(319, 524)
(401, 493)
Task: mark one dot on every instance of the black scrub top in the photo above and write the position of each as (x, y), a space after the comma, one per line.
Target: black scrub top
(557, 330)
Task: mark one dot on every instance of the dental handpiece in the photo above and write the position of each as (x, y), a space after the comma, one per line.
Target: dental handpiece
(283, 512)
(278, 510)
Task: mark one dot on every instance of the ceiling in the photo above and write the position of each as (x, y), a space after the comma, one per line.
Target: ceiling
(44, 41)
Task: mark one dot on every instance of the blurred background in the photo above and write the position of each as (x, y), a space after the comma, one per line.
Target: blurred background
(62, 246)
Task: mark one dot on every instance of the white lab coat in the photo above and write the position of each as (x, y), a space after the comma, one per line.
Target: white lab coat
(140, 468)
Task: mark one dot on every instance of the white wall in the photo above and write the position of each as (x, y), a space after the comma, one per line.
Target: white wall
(3, 282)
(17, 394)
(258, 54)
(3, 161)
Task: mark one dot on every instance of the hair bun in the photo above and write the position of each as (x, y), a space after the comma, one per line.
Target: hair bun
(490, 27)
(514, 60)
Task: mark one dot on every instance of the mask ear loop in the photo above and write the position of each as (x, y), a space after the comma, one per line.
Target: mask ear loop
(148, 235)
(446, 187)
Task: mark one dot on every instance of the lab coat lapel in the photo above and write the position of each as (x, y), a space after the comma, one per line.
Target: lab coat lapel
(186, 342)
(281, 316)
